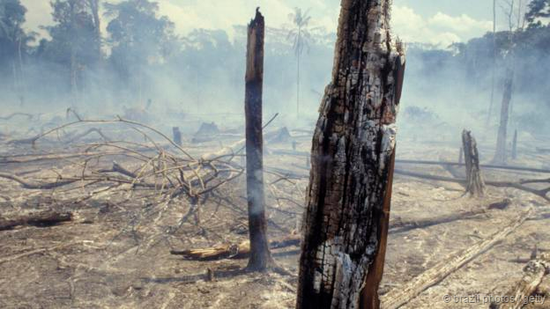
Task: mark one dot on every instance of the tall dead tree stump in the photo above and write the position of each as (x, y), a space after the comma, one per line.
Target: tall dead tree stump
(475, 183)
(177, 135)
(260, 256)
(348, 199)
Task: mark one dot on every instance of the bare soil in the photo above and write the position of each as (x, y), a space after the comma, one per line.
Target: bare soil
(116, 253)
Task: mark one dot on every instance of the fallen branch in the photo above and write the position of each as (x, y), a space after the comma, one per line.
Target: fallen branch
(542, 193)
(485, 166)
(399, 226)
(402, 295)
(231, 251)
(29, 116)
(38, 186)
(436, 163)
(88, 132)
(519, 295)
(51, 156)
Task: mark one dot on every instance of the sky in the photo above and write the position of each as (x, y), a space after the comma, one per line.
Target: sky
(439, 22)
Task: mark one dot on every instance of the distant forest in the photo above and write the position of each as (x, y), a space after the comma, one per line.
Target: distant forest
(140, 58)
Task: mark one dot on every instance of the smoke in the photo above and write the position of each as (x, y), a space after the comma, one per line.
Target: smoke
(199, 77)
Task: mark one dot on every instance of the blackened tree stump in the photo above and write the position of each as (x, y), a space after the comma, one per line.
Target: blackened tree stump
(475, 185)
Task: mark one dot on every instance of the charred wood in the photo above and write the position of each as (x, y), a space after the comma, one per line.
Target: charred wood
(41, 219)
(475, 184)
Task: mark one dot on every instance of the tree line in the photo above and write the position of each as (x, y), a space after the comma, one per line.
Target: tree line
(138, 50)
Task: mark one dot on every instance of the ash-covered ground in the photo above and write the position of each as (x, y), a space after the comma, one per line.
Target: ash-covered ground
(115, 253)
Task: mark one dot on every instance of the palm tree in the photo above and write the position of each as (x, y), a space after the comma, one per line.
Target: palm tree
(300, 37)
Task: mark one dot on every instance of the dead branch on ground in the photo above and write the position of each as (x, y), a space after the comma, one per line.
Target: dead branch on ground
(503, 184)
(534, 273)
(403, 295)
(29, 116)
(241, 250)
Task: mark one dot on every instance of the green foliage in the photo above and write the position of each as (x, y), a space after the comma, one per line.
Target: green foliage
(12, 17)
(72, 35)
(539, 10)
(13, 39)
(137, 35)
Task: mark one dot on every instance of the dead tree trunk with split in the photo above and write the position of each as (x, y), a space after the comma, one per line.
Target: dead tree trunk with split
(260, 256)
(348, 198)
(475, 184)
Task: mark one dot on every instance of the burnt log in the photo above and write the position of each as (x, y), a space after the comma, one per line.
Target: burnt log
(40, 219)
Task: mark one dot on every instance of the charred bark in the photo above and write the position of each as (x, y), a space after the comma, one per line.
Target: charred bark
(348, 198)
(177, 135)
(260, 256)
(475, 184)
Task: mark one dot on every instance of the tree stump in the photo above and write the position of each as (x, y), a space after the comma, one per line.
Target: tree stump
(177, 135)
(348, 199)
(475, 184)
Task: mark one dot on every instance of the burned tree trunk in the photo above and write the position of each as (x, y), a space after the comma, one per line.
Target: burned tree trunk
(475, 184)
(177, 135)
(348, 200)
(260, 257)
(500, 155)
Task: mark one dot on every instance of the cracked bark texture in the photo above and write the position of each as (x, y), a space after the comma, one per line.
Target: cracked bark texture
(348, 197)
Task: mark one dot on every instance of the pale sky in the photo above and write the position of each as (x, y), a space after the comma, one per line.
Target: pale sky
(427, 21)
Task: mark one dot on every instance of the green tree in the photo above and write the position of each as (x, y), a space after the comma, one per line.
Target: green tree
(300, 37)
(538, 11)
(74, 43)
(13, 41)
(138, 37)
